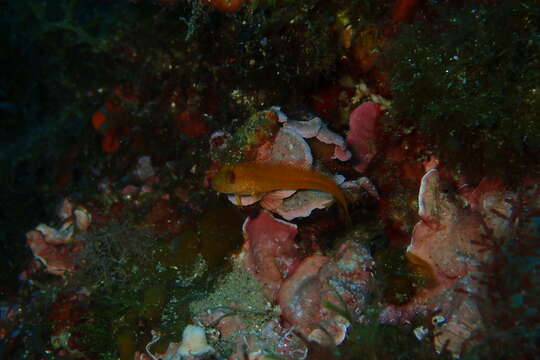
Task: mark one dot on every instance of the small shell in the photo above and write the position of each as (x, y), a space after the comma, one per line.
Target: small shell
(420, 332)
(56, 237)
(438, 320)
(194, 342)
(327, 136)
(83, 218)
(334, 333)
(219, 140)
(307, 129)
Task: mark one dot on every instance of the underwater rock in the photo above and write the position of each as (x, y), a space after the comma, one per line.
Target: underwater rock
(458, 323)
(83, 218)
(67, 211)
(494, 203)
(56, 248)
(229, 325)
(271, 337)
(271, 253)
(56, 237)
(353, 187)
(361, 138)
(245, 200)
(463, 323)
(319, 285)
(345, 279)
(327, 136)
(57, 258)
(316, 128)
(290, 148)
(447, 244)
(302, 301)
(299, 296)
(308, 294)
(303, 203)
(274, 199)
(446, 235)
(307, 129)
(496, 210)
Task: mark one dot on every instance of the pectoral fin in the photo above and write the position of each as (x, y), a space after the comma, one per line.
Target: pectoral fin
(238, 200)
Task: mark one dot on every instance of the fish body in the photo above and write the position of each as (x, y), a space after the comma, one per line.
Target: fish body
(248, 178)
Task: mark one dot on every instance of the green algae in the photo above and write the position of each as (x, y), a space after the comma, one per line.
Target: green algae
(138, 282)
(466, 77)
(115, 254)
(511, 312)
(370, 339)
(260, 127)
(237, 293)
(118, 268)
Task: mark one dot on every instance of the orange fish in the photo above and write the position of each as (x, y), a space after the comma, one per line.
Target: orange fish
(248, 178)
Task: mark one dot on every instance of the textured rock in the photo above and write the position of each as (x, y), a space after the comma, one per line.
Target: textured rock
(57, 258)
(271, 253)
(361, 137)
(447, 243)
(290, 148)
(319, 282)
(303, 203)
(300, 297)
(447, 235)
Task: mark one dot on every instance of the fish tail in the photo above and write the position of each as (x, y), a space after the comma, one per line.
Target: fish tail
(340, 197)
(344, 210)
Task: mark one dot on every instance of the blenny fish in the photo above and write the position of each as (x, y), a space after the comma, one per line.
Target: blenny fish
(248, 178)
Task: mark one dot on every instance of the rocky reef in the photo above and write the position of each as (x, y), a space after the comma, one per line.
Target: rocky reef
(269, 179)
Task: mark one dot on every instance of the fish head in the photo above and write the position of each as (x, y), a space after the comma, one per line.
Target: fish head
(225, 180)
